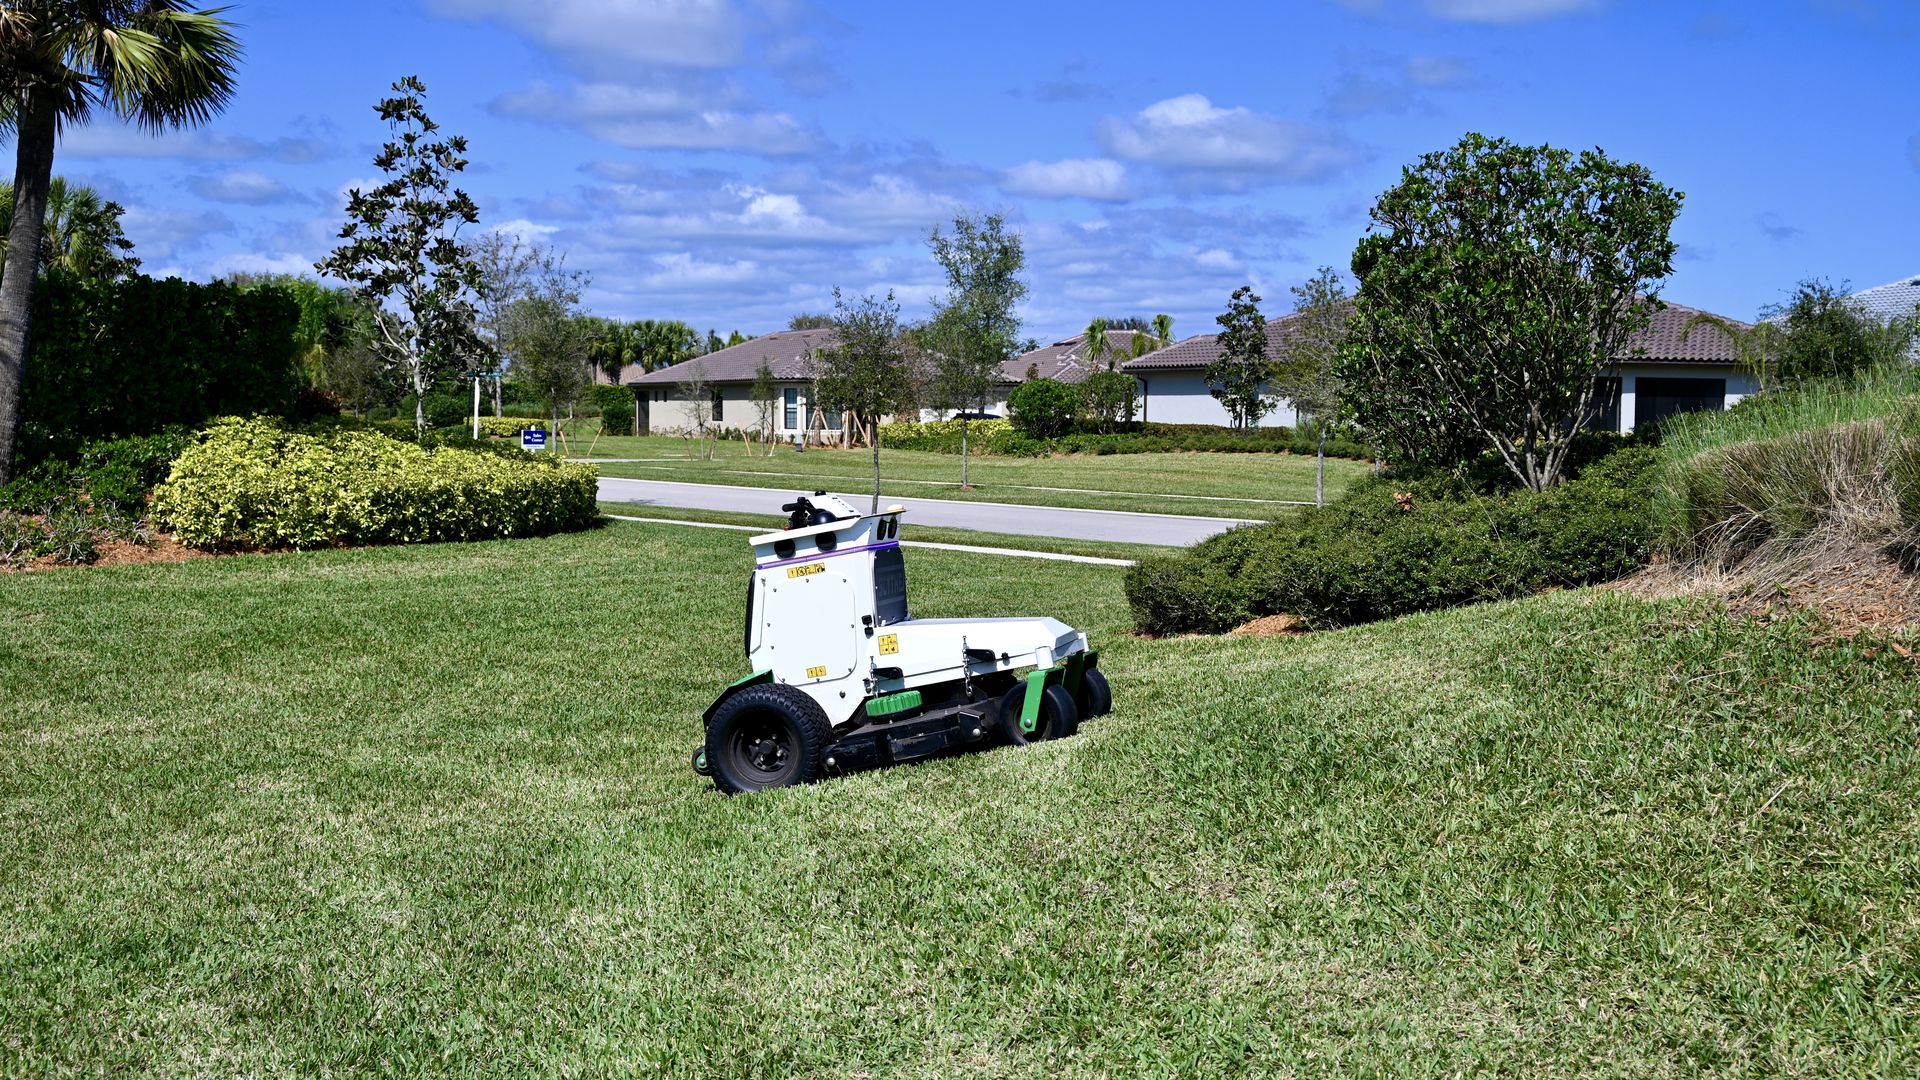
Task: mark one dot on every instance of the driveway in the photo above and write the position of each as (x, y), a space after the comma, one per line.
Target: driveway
(1109, 525)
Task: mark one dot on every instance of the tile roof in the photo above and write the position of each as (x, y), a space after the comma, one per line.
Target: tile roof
(1063, 361)
(1883, 302)
(785, 351)
(1662, 341)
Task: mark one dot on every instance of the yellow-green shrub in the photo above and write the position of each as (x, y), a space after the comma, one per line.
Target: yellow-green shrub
(257, 484)
(501, 427)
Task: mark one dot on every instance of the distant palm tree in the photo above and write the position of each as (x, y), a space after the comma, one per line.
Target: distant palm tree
(617, 346)
(158, 63)
(1095, 344)
(83, 235)
(1163, 329)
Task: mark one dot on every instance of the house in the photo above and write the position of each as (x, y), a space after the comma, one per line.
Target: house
(1898, 299)
(729, 374)
(1666, 369)
(1063, 361)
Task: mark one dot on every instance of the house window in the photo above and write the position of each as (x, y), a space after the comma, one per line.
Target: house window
(790, 418)
(1657, 399)
(719, 403)
(1606, 404)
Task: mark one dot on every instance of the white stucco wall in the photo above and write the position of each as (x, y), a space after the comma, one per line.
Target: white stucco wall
(1181, 397)
(668, 413)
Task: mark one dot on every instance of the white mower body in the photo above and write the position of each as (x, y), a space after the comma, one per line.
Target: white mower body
(827, 614)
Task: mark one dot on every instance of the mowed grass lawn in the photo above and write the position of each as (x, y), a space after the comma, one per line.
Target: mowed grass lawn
(428, 810)
(1208, 484)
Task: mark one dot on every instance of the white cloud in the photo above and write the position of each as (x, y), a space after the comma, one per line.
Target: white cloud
(1217, 259)
(659, 118)
(257, 189)
(611, 36)
(255, 263)
(680, 269)
(1084, 178)
(1507, 11)
(1189, 132)
(525, 231)
(115, 140)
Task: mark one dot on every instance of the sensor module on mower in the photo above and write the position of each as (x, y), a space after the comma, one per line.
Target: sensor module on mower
(845, 679)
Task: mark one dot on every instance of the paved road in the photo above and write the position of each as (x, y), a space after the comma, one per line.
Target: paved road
(1109, 525)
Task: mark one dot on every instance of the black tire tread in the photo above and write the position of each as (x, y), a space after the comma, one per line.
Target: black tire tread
(806, 713)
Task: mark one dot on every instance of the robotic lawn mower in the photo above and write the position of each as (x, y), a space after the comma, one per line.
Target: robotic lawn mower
(844, 678)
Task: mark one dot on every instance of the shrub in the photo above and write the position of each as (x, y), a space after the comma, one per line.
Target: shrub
(132, 357)
(1379, 552)
(504, 427)
(257, 484)
(1003, 438)
(125, 471)
(1043, 408)
(616, 407)
(446, 410)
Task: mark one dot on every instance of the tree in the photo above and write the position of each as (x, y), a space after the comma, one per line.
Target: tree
(810, 321)
(506, 265)
(82, 235)
(615, 345)
(975, 329)
(1305, 372)
(1095, 345)
(1826, 337)
(1237, 378)
(548, 338)
(765, 393)
(1497, 282)
(666, 342)
(1163, 329)
(1043, 408)
(697, 392)
(403, 252)
(1107, 396)
(1757, 349)
(158, 63)
(864, 371)
(331, 319)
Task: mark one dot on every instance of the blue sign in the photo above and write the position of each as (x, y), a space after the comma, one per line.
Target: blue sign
(533, 439)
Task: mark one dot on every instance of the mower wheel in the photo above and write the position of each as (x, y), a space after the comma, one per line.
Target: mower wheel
(1059, 716)
(1095, 697)
(699, 761)
(766, 736)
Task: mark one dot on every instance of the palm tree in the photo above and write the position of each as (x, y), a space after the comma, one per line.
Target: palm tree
(157, 63)
(617, 345)
(1163, 329)
(1757, 349)
(82, 233)
(1095, 343)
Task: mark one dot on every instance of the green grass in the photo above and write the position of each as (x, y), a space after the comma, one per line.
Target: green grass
(1209, 485)
(428, 810)
(1872, 395)
(1100, 549)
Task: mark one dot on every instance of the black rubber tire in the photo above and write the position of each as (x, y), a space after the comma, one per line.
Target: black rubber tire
(766, 736)
(1095, 697)
(1059, 717)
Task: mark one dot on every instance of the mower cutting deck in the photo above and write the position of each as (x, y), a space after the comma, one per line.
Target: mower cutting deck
(844, 678)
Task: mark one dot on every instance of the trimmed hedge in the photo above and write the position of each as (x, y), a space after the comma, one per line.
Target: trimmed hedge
(1003, 438)
(254, 484)
(1378, 553)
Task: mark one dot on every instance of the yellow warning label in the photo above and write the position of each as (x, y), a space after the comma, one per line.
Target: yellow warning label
(817, 672)
(803, 571)
(889, 644)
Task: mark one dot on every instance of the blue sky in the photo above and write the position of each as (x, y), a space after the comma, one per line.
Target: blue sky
(728, 162)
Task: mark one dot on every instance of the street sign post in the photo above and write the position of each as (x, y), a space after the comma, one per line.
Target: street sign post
(533, 439)
(476, 376)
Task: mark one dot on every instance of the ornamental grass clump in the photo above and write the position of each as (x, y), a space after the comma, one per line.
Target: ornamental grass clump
(257, 484)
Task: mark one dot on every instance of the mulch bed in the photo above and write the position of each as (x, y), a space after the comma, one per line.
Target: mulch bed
(164, 549)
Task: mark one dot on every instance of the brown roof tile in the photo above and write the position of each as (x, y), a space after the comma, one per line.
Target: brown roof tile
(784, 350)
(1062, 360)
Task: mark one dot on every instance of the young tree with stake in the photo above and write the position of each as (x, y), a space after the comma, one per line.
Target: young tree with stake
(865, 370)
(1305, 371)
(975, 330)
(403, 251)
(764, 393)
(158, 63)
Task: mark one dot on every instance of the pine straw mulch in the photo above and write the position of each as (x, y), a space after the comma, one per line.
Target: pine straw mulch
(1854, 587)
(163, 549)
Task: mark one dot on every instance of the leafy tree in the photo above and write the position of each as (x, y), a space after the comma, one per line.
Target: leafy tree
(158, 63)
(506, 265)
(331, 319)
(1237, 378)
(1497, 282)
(1306, 371)
(83, 235)
(402, 249)
(864, 371)
(548, 338)
(1043, 408)
(1163, 329)
(1107, 397)
(713, 343)
(666, 342)
(810, 321)
(736, 337)
(765, 393)
(615, 345)
(975, 329)
(1827, 337)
